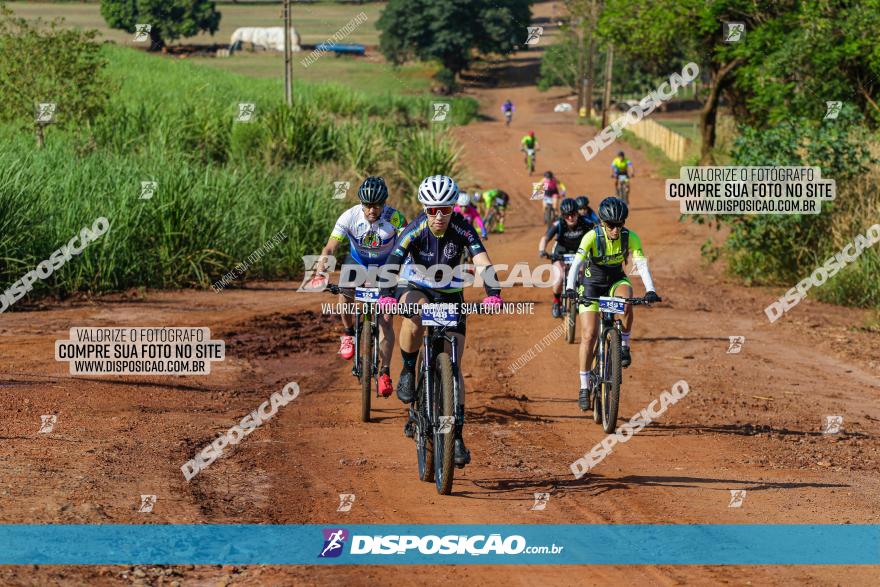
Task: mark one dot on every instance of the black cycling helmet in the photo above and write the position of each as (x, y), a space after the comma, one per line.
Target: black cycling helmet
(620, 154)
(582, 202)
(548, 174)
(568, 206)
(373, 191)
(613, 210)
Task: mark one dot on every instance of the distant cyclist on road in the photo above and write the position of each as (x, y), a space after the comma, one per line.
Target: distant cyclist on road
(529, 143)
(607, 247)
(583, 204)
(437, 237)
(508, 109)
(553, 190)
(495, 202)
(466, 208)
(371, 229)
(622, 166)
(568, 232)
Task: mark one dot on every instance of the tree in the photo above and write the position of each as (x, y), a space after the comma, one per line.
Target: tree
(46, 63)
(451, 31)
(781, 67)
(168, 19)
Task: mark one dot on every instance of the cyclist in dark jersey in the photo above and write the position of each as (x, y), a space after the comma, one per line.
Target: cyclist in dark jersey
(583, 203)
(568, 232)
(437, 237)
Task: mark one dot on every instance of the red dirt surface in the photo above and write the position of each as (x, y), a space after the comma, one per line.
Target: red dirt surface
(752, 420)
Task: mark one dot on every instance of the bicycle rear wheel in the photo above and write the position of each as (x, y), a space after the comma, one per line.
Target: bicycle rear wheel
(444, 407)
(366, 351)
(611, 382)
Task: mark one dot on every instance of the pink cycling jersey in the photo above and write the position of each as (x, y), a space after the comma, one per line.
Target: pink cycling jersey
(472, 215)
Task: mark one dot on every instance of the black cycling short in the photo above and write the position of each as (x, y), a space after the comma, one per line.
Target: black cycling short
(438, 297)
(599, 284)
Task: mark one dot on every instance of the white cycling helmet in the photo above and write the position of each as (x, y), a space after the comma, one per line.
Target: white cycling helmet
(463, 200)
(477, 197)
(438, 190)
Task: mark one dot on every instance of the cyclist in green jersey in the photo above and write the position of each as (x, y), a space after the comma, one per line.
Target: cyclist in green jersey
(607, 247)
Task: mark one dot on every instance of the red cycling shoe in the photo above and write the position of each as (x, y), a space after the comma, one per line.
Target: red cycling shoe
(385, 385)
(346, 347)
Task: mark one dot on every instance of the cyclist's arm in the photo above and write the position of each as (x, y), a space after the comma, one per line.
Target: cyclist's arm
(339, 235)
(548, 236)
(486, 271)
(586, 244)
(562, 189)
(640, 261)
(629, 166)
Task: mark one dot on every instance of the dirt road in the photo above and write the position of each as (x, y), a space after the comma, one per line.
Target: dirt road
(752, 421)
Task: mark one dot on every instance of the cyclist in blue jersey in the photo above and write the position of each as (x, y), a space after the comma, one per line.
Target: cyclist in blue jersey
(371, 229)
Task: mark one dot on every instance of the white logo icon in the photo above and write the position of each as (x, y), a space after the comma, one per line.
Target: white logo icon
(537, 190)
(341, 189)
(47, 423)
(46, 112)
(246, 111)
(733, 31)
(142, 32)
(446, 423)
(541, 500)
(441, 109)
(832, 424)
(147, 503)
(736, 344)
(736, 498)
(346, 500)
(148, 188)
(534, 34)
(834, 107)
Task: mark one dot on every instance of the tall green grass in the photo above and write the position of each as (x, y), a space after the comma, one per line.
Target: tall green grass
(224, 187)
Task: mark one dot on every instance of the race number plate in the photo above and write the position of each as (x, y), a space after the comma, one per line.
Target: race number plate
(611, 305)
(569, 259)
(366, 294)
(439, 315)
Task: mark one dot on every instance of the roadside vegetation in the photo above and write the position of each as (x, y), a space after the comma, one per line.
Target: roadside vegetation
(773, 83)
(223, 187)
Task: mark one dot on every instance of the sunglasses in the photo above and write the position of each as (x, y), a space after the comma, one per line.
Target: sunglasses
(613, 225)
(441, 210)
(373, 206)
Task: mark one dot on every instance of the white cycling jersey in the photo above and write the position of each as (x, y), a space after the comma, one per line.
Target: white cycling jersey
(370, 243)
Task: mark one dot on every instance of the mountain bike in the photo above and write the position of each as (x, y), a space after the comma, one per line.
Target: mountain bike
(569, 309)
(433, 413)
(530, 159)
(493, 217)
(623, 187)
(366, 344)
(607, 370)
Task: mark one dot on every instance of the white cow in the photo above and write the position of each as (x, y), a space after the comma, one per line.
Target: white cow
(270, 38)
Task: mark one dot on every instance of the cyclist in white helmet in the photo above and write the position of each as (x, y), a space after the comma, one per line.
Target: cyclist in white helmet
(436, 237)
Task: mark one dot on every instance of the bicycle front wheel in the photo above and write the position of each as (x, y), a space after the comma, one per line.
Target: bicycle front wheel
(444, 431)
(366, 368)
(611, 381)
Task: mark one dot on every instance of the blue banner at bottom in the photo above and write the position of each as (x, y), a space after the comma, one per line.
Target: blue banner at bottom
(375, 544)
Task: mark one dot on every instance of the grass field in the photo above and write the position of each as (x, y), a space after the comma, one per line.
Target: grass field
(689, 128)
(314, 22)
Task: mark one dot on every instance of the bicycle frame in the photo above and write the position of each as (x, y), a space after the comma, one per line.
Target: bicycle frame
(433, 340)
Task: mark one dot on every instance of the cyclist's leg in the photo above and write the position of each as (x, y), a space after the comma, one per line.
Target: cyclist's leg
(623, 288)
(410, 341)
(559, 277)
(386, 339)
(589, 317)
(346, 343)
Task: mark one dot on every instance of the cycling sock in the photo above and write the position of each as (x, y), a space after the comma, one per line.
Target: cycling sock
(625, 341)
(349, 331)
(409, 359)
(384, 370)
(585, 379)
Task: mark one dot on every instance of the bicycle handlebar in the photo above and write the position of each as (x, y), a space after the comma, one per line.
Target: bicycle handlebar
(634, 301)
